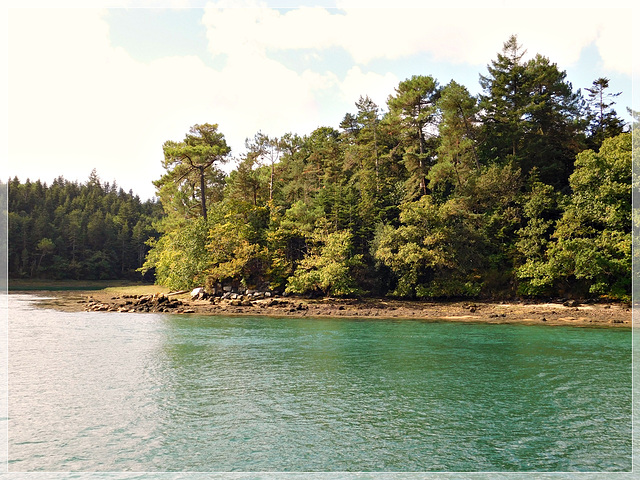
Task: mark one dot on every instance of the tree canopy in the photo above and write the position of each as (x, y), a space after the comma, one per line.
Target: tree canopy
(68, 230)
(524, 189)
(521, 190)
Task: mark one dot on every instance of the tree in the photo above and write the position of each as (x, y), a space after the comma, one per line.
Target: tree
(591, 251)
(530, 115)
(179, 257)
(265, 149)
(603, 120)
(542, 209)
(191, 169)
(245, 183)
(366, 166)
(552, 123)
(68, 230)
(503, 101)
(45, 247)
(232, 256)
(329, 269)
(435, 252)
(413, 108)
(457, 156)
(365, 146)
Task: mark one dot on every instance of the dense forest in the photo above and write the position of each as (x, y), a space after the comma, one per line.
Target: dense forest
(66, 230)
(524, 189)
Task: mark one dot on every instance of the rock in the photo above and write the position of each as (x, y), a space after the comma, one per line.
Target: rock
(196, 292)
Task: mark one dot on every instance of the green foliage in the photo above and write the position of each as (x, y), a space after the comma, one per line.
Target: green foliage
(436, 251)
(328, 269)
(530, 115)
(541, 210)
(591, 247)
(179, 256)
(457, 155)
(232, 256)
(191, 171)
(413, 109)
(603, 119)
(444, 194)
(77, 231)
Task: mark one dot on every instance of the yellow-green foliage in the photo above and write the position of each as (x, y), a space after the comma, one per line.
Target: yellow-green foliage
(328, 270)
(179, 256)
(231, 255)
(591, 243)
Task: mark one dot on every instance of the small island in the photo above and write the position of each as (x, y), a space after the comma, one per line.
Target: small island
(431, 208)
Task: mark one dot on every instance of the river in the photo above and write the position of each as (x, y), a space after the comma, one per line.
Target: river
(117, 392)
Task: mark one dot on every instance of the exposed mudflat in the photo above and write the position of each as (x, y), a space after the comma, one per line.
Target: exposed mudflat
(520, 312)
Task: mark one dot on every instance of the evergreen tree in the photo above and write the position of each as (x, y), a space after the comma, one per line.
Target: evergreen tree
(603, 120)
(457, 153)
(192, 178)
(72, 231)
(530, 116)
(413, 109)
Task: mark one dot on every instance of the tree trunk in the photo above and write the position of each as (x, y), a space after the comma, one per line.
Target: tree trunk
(203, 198)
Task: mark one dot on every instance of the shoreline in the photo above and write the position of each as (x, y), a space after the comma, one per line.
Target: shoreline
(155, 299)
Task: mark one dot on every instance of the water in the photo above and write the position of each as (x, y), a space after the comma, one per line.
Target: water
(168, 393)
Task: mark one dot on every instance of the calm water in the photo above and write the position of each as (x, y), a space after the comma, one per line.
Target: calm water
(132, 392)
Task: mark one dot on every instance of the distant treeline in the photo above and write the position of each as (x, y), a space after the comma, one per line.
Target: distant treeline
(68, 230)
(524, 189)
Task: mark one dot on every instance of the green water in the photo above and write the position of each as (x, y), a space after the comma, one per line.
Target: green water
(131, 392)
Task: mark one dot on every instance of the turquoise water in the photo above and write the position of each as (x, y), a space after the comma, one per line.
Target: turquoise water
(134, 392)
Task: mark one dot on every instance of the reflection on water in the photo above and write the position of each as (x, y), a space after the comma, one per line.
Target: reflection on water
(132, 392)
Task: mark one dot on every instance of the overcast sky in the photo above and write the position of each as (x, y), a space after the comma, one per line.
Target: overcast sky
(105, 88)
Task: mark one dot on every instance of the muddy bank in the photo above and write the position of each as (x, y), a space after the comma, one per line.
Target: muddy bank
(521, 312)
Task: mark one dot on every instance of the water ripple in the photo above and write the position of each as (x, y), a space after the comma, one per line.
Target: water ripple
(117, 392)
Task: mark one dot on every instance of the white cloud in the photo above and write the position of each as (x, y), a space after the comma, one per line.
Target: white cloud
(464, 35)
(376, 87)
(76, 102)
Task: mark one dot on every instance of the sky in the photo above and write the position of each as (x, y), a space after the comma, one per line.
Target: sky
(104, 87)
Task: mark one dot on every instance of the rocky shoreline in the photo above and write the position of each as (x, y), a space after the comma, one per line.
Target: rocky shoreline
(582, 314)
